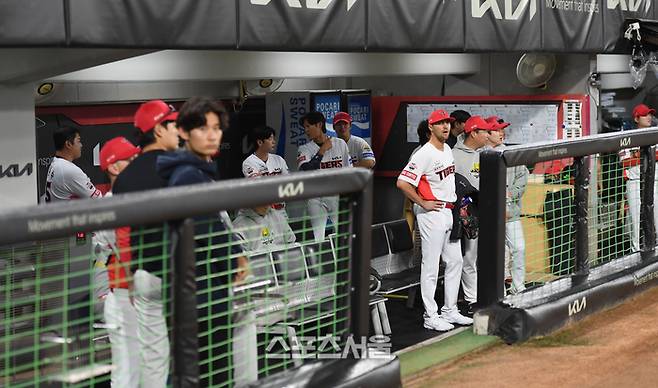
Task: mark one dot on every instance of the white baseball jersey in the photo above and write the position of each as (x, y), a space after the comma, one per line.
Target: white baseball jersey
(432, 172)
(359, 149)
(338, 156)
(66, 181)
(253, 166)
(632, 172)
(259, 233)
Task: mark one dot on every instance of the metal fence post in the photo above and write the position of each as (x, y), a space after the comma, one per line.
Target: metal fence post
(581, 188)
(361, 255)
(646, 213)
(491, 242)
(185, 326)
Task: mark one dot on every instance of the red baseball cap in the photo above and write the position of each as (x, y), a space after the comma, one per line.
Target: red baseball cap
(152, 113)
(495, 124)
(342, 116)
(642, 110)
(439, 115)
(477, 122)
(116, 149)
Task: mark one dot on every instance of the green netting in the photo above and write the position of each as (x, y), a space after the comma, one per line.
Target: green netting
(53, 324)
(540, 243)
(268, 290)
(295, 291)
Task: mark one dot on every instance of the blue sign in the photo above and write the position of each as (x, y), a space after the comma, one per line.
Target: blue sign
(358, 106)
(328, 104)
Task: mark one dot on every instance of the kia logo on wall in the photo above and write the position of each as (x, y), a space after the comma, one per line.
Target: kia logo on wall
(310, 4)
(15, 171)
(629, 5)
(480, 7)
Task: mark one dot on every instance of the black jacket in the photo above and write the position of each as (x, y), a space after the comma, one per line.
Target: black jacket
(463, 189)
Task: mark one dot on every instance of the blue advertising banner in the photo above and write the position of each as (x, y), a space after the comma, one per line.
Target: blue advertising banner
(328, 104)
(283, 112)
(358, 106)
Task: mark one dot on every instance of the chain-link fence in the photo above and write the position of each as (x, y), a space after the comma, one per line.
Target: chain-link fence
(220, 285)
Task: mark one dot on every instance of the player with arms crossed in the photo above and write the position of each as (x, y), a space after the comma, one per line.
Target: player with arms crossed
(428, 181)
(321, 152)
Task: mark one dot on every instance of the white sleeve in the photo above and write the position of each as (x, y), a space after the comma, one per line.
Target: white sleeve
(248, 170)
(284, 166)
(365, 152)
(626, 154)
(303, 155)
(413, 171)
(80, 184)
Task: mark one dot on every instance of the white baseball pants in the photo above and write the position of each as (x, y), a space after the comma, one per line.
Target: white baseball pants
(633, 198)
(435, 227)
(318, 209)
(516, 245)
(121, 320)
(245, 351)
(151, 330)
(470, 271)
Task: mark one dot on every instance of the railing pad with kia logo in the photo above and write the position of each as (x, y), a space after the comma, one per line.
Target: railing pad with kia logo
(49, 221)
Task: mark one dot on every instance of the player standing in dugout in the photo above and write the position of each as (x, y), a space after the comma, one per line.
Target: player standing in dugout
(322, 151)
(428, 181)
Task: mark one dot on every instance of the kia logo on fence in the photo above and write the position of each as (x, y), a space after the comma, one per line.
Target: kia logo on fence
(14, 171)
(625, 142)
(629, 5)
(480, 7)
(310, 4)
(290, 190)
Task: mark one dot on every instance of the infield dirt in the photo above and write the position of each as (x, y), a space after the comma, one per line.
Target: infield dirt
(614, 348)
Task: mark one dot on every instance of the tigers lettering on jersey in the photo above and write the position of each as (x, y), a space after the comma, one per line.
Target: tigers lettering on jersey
(450, 170)
(332, 164)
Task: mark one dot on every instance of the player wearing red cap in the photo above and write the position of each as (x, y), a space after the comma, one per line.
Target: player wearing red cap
(110, 283)
(467, 164)
(516, 181)
(361, 154)
(428, 181)
(157, 135)
(630, 160)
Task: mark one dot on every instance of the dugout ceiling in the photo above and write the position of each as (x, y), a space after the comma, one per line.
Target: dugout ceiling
(324, 25)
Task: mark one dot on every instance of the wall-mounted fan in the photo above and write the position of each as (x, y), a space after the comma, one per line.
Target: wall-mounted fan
(534, 70)
(261, 87)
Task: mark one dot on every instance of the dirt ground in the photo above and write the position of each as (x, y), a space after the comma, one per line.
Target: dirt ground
(614, 348)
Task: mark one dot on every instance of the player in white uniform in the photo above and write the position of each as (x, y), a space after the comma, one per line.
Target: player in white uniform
(321, 152)
(361, 154)
(630, 160)
(65, 180)
(263, 162)
(262, 228)
(428, 181)
(119, 312)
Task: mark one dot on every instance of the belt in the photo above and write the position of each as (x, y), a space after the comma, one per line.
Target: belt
(278, 206)
(449, 205)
